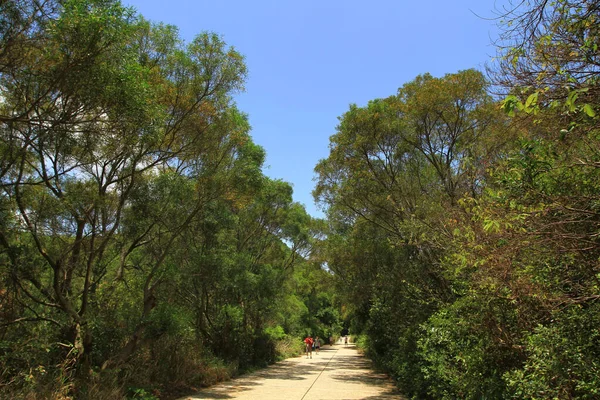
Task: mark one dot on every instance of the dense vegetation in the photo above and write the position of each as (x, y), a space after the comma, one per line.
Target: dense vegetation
(143, 250)
(464, 226)
(141, 246)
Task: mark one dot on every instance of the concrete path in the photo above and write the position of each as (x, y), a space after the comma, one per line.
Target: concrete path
(338, 372)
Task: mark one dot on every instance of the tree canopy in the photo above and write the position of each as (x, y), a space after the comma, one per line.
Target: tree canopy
(136, 222)
(144, 252)
(465, 237)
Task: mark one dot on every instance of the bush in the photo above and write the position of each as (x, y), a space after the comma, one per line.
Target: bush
(465, 359)
(562, 358)
(288, 347)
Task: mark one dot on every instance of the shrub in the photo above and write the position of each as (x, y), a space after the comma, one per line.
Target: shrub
(562, 358)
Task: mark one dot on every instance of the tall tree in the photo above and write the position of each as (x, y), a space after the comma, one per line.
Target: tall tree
(392, 185)
(101, 104)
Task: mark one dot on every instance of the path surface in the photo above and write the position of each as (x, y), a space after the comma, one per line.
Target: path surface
(338, 373)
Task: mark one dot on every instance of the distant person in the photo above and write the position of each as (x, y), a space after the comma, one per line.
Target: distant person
(317, 344)
(308, 345)
(331, 340)
(345, 340)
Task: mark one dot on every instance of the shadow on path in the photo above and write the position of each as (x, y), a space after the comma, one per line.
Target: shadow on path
(336, 373)
(282, 371)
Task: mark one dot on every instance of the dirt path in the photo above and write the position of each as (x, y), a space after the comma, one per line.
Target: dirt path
(338, 372)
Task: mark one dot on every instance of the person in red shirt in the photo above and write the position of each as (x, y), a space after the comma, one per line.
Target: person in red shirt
(308, 342)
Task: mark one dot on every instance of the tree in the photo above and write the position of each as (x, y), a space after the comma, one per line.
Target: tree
(103, 102)
(135, 217)
(527, 257)
(392, 184)
(548, 55)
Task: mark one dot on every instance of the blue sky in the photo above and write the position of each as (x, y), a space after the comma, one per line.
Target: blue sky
(309, 60)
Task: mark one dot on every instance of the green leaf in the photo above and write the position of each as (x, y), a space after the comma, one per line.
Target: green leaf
(531, 100)
(510, 103)
(587, 108)
(570, 103)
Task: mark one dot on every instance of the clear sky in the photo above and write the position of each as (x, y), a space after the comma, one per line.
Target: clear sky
(309, 59)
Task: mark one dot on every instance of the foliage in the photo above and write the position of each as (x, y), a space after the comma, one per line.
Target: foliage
(139, 239)
(562, 360)
(392, 184)
(142, 248)
(468, 252)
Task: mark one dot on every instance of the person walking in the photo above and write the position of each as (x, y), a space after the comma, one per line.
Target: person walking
(308, 345)
(317, 344)
(346, 341)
